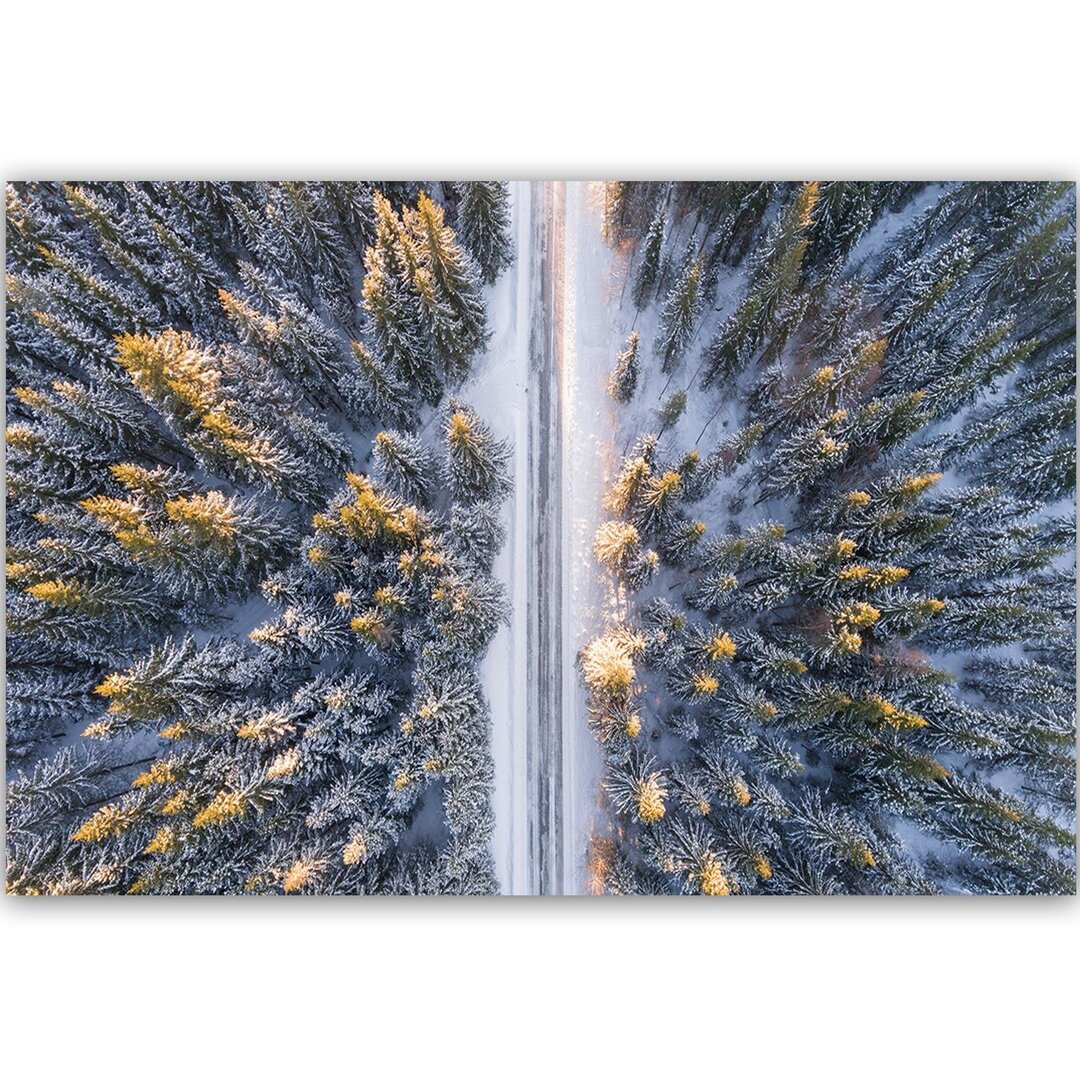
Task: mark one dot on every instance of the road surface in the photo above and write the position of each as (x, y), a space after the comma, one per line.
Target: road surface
(546, 764)
(546, 554)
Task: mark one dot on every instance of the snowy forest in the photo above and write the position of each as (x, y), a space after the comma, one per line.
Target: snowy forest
(842, 534)
(302, 537)
(250, 532)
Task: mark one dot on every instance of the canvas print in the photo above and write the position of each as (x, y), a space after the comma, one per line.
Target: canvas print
(542, 537)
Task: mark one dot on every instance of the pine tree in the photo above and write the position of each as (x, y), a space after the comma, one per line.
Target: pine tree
(100, 416)
(680, 313)
(615, 198)
(843, 212)
(624, 376)
(193, 543)
(376, 390)
(405, 466)
(186, 385)
(778, 263)
(476, 463)
(477, 532)
(738, 337)
(682, 541)
(484, 225)
(671, 408)
(400, 337)
(649, 269)
(659, 501)
(805, 456)
(448, 284)
(616, 545)
(638, 789)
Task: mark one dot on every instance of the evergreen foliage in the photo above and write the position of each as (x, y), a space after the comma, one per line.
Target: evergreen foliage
(484, 225)
(853, 667)
(251, 526)
(624, 376)
(242, 657)
(679, 314)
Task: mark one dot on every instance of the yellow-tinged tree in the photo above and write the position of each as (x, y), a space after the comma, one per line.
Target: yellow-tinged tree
(195, 391)
(607, 663)
(628, 487)
(616, 545)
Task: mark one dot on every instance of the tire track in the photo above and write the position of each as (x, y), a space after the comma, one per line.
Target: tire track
(545, 571)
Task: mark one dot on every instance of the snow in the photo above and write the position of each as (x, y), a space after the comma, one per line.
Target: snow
(591, 337)
(498, 392)
(714, 413)
(890, 225)
(590, 318)
(587, 333)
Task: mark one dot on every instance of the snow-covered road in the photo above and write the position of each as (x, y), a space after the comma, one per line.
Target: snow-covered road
(545, 548)
(546, 765)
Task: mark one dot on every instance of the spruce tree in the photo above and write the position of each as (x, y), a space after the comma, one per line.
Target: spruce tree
(484, 225)
(405, 466)
(475, 463)
(447, 283)
(649, 268)
(623, 379)
(679, 315)
(400, 336)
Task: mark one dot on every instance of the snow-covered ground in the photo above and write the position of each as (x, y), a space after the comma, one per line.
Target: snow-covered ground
(591, 337)
(498, 392)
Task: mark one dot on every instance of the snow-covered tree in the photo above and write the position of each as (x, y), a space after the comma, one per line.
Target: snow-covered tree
(891, 396)
(191, 377)
(476, 463)
(648, 272)
(622, 382)
(680, 313)
(484, 225)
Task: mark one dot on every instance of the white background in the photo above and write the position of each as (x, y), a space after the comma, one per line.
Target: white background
(209, 987)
